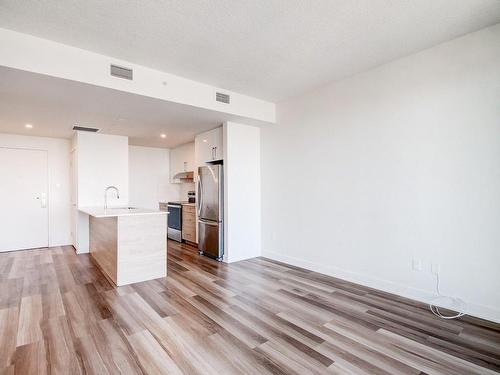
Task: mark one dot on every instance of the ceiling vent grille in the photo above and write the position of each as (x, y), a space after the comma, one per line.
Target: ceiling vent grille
(121, 72)
(223, 98)
(85, 129)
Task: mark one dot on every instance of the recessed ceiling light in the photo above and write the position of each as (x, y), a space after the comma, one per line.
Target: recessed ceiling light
(205, 140)
(163, 135)
(29, 126)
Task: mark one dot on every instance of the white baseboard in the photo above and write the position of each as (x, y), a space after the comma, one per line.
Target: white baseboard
(420, 295)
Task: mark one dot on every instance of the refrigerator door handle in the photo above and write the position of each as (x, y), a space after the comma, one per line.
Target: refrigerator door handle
(200, 195)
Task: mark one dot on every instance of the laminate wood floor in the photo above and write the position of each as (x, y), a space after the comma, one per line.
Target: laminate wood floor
(58, 314)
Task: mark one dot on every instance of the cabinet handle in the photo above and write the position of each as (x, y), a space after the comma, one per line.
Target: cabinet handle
(185, 163)
(215, 152)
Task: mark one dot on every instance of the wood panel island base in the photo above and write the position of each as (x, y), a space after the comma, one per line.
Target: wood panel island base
(129, 245)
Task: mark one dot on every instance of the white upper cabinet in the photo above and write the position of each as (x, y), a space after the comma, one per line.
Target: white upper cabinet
(208, 146)
(181, 160)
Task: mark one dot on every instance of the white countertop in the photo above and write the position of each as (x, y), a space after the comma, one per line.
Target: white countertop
(119, 211)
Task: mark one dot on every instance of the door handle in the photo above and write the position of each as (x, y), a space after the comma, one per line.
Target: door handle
(43, 200)
(200, 196)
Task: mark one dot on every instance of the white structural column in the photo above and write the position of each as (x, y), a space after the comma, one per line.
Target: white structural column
(102, 160)
(242, 204)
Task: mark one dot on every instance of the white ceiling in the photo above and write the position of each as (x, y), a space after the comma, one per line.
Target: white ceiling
(54, 105)
(271, 49)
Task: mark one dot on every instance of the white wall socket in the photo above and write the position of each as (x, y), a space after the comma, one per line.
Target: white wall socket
(435, 268)
(416, 265)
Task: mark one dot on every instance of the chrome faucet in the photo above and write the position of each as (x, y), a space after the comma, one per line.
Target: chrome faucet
(106, 195)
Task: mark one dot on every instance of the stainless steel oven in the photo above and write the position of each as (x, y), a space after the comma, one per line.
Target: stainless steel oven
(174, 230)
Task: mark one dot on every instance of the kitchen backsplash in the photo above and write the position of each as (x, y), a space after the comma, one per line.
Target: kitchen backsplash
(184, 188)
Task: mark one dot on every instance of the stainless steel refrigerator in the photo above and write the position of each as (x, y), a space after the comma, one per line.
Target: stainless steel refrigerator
(210, 211)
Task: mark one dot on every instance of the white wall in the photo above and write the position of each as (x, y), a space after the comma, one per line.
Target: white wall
(242, 205)
(59, 182)
(149, 180)
(402, 161)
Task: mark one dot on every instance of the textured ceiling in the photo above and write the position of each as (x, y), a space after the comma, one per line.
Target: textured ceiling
(54, 105)
(271, 49)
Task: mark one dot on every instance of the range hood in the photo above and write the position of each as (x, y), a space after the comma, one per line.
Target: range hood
(184, 176)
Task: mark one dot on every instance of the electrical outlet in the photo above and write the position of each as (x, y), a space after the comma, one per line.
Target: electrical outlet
(435, 268)
(416, 265)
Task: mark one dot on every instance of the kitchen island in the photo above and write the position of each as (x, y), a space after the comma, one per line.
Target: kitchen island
(128, 244)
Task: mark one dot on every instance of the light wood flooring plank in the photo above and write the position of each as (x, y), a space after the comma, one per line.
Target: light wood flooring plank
(60, 315)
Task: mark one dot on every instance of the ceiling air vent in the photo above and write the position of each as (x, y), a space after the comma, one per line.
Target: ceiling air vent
(121, 72)
(84, 129)
(223, 98)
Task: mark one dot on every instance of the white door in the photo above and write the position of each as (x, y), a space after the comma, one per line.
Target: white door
(23, 199)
